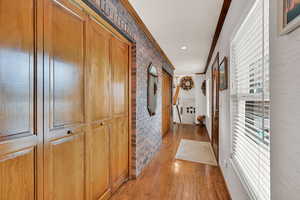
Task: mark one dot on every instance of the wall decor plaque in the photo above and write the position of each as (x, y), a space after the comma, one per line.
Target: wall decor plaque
(152, 89)
(203, 87)
(223, 74)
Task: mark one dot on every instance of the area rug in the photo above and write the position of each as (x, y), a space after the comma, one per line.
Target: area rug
(195, 151)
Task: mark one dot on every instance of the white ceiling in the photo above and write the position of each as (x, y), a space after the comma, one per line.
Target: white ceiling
(177, 23)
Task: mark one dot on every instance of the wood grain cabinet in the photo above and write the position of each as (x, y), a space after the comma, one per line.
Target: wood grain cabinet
(108, 62)
(119, 135)
(20, 151)
(99, 110)
(64, 114)
(119, 152)
(64, 117)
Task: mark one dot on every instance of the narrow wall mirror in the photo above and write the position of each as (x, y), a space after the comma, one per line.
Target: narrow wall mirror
(152, 89)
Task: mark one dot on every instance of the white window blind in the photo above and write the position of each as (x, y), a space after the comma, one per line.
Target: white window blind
(250, 101)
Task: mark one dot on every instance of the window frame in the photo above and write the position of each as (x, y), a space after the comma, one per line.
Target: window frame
(232, 92)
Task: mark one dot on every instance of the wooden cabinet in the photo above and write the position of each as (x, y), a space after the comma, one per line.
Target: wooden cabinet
(64, 120)
(20, 137)
(119, 139)
(99, 110)
(64, 103)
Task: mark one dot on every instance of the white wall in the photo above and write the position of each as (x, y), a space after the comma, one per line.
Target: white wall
(186, 98)
(200, 99)
(208, 101)
(237, 12)
(285, 111)
(195, 94)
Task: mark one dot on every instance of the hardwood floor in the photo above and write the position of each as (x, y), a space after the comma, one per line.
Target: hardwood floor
(168, 179)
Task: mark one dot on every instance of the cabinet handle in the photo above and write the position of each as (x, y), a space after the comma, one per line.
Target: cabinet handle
(102, 123)
(69, 132)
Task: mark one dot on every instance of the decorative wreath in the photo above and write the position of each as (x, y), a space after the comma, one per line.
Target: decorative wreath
(187, 83)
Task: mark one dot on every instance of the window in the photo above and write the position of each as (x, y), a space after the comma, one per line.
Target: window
(250, 102)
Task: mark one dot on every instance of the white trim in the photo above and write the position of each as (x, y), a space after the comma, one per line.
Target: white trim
(238, 172)
(242, 19)
(238, 169)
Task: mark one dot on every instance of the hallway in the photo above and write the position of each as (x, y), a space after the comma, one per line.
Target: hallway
(168, 179)
(139, 99)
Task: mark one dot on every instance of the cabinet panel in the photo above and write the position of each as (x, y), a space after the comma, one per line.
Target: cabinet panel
(66, 67)
(64, 100)
(98, 110)
(16, 67)
(99, 166)
(19, 152)
(119, 58)
(99, 71)
(66, 168)
(17, 175)
(119, 151)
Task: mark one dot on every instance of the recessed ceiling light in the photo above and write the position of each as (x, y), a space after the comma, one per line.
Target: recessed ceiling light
(183, 48)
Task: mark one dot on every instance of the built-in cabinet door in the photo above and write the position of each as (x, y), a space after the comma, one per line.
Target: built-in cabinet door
(119, 133)
(99, 110)
(65, 167)
(119, 151)
(19, 135)
(99, 165)
(64, 96)
(99, 77)
(120, 63)
(64, 103)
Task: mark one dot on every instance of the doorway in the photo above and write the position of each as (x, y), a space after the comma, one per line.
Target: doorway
(215, 107)
(166, 102)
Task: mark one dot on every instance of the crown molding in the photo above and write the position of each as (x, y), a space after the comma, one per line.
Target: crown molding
(222, 17)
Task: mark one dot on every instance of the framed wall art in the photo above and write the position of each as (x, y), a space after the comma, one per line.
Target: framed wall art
(203, 87)
(223, 74)
(289, 15)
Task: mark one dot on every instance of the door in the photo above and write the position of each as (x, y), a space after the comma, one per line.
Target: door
(119, 138)
(166, 102)
(215, 108)
(99, 110)
(64, 100)
(20, 135)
